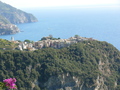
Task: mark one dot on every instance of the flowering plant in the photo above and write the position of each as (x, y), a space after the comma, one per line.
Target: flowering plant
(8, 84)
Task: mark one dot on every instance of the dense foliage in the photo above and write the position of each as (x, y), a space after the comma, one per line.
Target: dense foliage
(50, 37)
(7, 45)
(80, 60)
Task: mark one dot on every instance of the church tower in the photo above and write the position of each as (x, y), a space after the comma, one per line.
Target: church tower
(12, 38)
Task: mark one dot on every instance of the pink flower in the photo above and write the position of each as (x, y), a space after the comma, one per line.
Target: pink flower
(10, 83)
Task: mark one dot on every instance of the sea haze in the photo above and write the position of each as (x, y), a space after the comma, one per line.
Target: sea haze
(101, 23)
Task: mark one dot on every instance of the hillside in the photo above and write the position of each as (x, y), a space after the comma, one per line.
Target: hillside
(10, 16)
(6, 27)
(87, 65)
(7, 45)
(4, 20)
(15, 15)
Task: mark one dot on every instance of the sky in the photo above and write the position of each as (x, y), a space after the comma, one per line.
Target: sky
(52, 3)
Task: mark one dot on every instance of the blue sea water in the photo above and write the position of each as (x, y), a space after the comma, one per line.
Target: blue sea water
(101, 23)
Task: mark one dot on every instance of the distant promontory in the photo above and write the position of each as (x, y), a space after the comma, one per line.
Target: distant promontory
(10, 16)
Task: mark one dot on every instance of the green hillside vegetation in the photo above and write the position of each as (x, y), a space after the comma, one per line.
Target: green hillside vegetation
(7, 45)
(80, 60)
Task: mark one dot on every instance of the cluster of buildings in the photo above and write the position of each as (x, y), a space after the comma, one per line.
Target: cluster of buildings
(7, 26)
(58, 43)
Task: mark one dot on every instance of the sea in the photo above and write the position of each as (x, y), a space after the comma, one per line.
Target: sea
(101, 23)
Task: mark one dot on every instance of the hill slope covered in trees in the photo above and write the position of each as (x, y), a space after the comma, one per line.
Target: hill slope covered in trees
(88, 65)
(10, 16)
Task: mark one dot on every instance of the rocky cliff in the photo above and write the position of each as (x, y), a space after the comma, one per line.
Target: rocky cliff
(68, 82)
(17, 17)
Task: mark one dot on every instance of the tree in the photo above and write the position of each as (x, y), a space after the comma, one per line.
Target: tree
(28, 41)
(77, 36)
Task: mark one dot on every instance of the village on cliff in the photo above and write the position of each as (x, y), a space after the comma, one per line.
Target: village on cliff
(48, 42)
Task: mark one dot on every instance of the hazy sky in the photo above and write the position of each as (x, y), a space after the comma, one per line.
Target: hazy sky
(49, 3)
